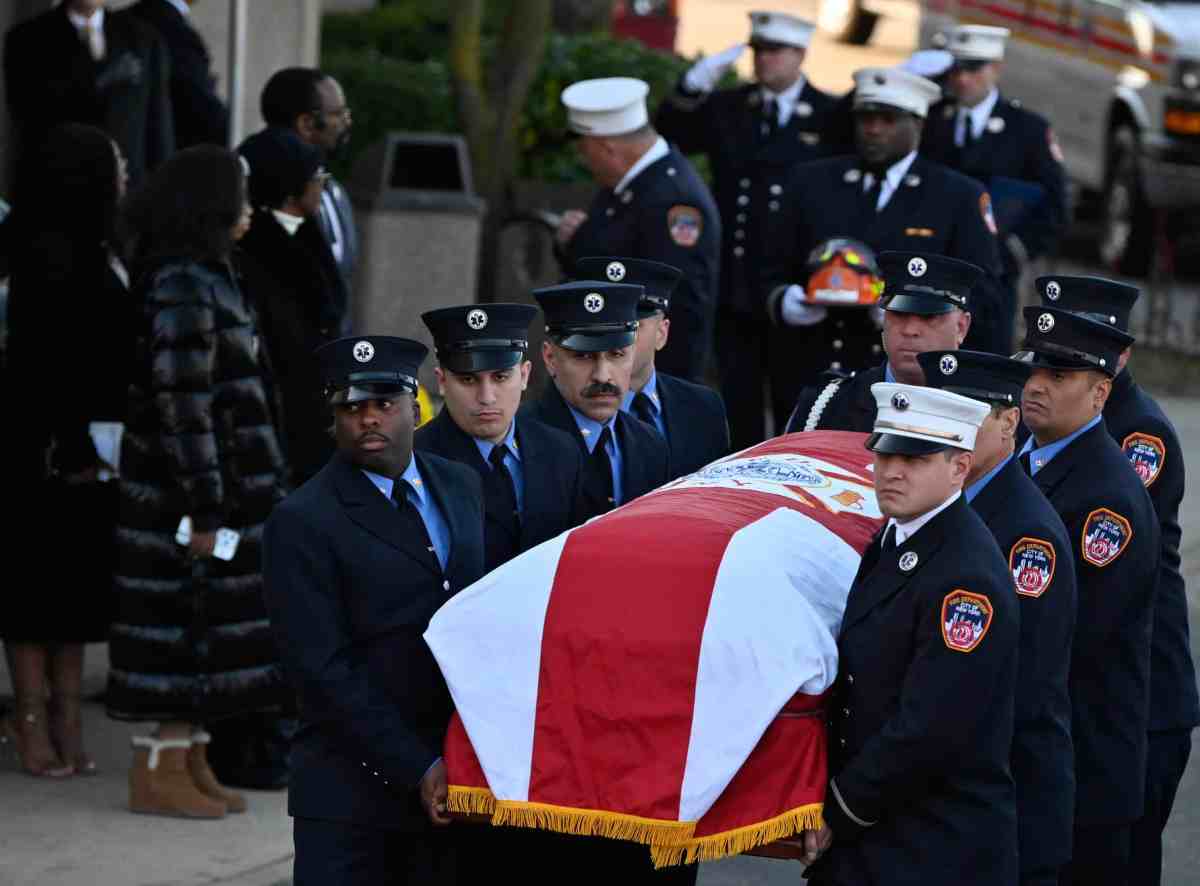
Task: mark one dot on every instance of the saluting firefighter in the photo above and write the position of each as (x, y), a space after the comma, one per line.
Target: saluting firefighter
(1009, 149)
(1141, 428)
(921, 716)
(1033, 538)
(926, 304)
(589, 350)
(651, 204)
(356, 562)
(1115, 538)
(753, 135)
(690, 417)
(532, 474)
(889, 198)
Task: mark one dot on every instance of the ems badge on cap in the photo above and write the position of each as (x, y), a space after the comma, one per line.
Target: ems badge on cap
(966, 618)
(477, 319)
(1053, 290)
(900, 401)
(615, 271)
(1045, 323)
(593, 303)
(917, 266)
(364, 351)
(1147, 455)
(948, 364)
(908, 562)
(685, 224)
(1105, 535)
(1031, 562)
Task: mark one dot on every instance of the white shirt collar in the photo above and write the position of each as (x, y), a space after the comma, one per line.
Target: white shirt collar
(906, 530)
(657, 151)
(183, 8)
(290, 223)
(81, 21)
(787, 98)
(981, 112)
(894, 175)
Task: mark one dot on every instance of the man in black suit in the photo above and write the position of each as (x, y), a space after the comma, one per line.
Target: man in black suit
(1039, 552)
(588, 352)
(199, 114)
(889, 198)
(532, 474)
(313, 105)
(921, 714)
(926, 306)
(690, 417)
(1147, 437)
(81, 63)
(753, 135)
(652, 204)
(355, 563)
(1008, 149)
(1115, 542)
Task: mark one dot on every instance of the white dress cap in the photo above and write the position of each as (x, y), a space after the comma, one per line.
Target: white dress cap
(895, 88)
(928, 414)
(608, 106)
(779, 27)
(977, 43)
(928, 62)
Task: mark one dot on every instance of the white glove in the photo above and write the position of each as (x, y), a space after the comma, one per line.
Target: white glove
(704, 74)
(795, 311)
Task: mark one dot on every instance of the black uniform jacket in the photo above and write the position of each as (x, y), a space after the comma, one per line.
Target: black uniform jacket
(1019, 146)
(935, 209)
(1034, 541)
(552, 468)
(1148, 439)
(350, 592)
(694, 418)
(750, 167)
(645, 458)
(665, 214)
(921, 718)
(848, 403)
(1114, 536)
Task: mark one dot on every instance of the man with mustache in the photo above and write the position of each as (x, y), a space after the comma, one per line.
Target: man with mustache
(356, 562)
(532, 474)
(921, 715)
(590, 330)
(1032, 536)
(926, 302)
(1141, 428)
(889, 198)
(1115, 539)
(690, 417)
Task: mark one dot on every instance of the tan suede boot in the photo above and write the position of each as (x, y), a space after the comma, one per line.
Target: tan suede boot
(206, 780)
(160, 784)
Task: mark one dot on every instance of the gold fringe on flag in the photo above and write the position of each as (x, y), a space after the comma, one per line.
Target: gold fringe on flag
(739, 840)
(593, 823)
(470, 801)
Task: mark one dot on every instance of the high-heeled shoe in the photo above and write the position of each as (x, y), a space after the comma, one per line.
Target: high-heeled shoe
(24, 732)
(66, 727)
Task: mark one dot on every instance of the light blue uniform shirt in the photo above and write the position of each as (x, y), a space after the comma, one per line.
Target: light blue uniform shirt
(590, 428)
(422, 500)
(888, 375)
(512, 461)
(977, 487)
(1042, 456)
(651, 391)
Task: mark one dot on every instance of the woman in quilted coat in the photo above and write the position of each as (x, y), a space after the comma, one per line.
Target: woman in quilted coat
(190, 642)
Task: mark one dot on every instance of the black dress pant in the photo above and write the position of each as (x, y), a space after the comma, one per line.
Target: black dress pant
(334, 853)
(1100, 857)
(1166, 759)
(741, 349)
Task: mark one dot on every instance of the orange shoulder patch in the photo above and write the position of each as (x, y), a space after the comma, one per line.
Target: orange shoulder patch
(1105, 535)
(685, 224)
(1031, 562)
(966, 618)
(1147, 454)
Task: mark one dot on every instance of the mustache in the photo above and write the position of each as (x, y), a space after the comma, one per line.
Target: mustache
(600, 388)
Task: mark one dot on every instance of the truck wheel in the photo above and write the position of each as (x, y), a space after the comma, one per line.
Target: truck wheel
(846, 21)
(1127, 229)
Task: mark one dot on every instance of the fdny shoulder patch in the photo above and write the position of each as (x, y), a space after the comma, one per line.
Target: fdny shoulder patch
(1105, 535)
(985, 209)
(1147, 454)
(966, 618)
(686, 224)
(1031, 562)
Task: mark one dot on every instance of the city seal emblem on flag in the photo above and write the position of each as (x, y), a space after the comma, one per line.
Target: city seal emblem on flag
(1147, 454)
(966, 618)
(1031, 562)
(1105, 535)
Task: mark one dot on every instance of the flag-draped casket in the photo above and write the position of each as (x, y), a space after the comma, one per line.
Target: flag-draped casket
(658, 674)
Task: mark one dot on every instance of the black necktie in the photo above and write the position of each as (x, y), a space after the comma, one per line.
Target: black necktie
(770, 119)
(502, 532)
(868, 198)
(888, 542)
(599, 485)
(643, 408)
(411, 517)
(1025, 466)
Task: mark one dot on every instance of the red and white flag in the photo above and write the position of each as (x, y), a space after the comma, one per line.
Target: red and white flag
(657, 674)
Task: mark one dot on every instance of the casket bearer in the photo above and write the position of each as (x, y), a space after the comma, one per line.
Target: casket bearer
(921, 716)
